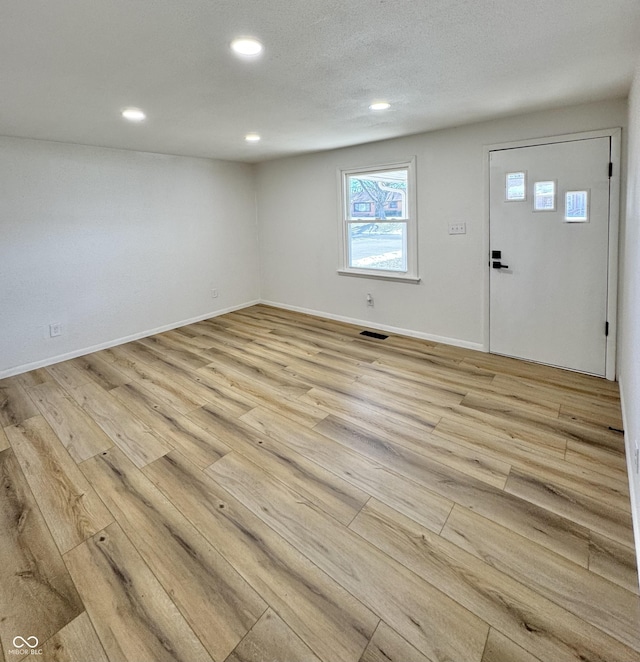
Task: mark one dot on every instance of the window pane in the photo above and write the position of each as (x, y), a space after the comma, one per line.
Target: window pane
(576, 206)
(378, 246)
(377, 195)
(516, 186)
(544, 196)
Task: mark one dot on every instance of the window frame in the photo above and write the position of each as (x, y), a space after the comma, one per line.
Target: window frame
(411, 223)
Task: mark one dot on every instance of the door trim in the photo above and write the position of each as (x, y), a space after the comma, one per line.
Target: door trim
(614, 223)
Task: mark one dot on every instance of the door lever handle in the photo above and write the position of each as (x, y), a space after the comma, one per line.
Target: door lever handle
(499, 265)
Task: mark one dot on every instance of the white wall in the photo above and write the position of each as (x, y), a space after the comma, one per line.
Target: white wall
(298, 223)
(629, 345)
(114, 244)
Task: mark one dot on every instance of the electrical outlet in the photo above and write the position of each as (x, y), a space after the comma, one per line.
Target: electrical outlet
(369, 300)
(457, 228)
(55, 330)
(214, 294)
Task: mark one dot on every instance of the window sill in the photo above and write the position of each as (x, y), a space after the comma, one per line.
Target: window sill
(400, 279)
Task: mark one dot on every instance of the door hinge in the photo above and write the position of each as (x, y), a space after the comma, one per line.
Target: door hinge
(610, 170)
(606, 328)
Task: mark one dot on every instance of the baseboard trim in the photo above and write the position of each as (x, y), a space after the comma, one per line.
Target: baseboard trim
(17, 370)
(382, 327)
(10, 372)
(628, 449)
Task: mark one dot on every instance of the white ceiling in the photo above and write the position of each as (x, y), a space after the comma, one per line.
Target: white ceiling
(68, 67)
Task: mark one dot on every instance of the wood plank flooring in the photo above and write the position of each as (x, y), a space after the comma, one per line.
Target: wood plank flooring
(270, 486)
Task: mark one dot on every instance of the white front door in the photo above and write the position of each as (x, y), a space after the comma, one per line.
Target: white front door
(549, 235)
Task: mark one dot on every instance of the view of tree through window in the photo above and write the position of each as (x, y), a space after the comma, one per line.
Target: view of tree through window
(376, 215)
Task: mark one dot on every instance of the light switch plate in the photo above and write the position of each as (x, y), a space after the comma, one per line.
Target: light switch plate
(457, 228)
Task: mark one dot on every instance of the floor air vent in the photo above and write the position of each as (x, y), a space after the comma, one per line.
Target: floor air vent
(371, 334)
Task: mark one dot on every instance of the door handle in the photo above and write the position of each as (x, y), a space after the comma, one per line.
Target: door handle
(499, 265)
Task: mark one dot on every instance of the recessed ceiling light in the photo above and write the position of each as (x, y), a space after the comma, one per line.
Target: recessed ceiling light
(134, 114)
(252, 137)
(246, 46)
(380, 105)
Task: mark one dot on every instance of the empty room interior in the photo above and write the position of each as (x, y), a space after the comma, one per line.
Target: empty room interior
(320, 331)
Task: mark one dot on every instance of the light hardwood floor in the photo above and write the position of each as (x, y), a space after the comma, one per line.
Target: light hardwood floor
(268, 486)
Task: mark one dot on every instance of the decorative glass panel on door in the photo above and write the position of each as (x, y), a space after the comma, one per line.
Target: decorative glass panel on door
(576, 207)
(544, 196)
(516, 186)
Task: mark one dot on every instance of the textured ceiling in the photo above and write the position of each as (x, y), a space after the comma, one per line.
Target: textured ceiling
(68, 67)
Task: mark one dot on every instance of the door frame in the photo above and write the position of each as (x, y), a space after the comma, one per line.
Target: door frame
(614, 223)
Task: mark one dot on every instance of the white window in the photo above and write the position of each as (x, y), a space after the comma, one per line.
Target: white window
(378, 222)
